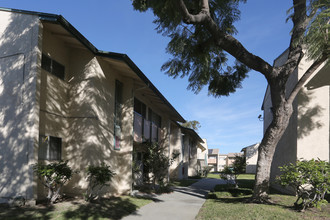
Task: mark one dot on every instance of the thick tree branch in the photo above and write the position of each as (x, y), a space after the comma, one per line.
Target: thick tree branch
(300, 22)
(194, 19)
(225, 41)
(305, 77)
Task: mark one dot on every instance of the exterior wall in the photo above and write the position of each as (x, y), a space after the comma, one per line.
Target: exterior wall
(185, 158)
(251, 158)
(19, 80)
(309, 123)
(80, 110)
(313, 116)
(213, 161)
(193, 168)
(222, 162)
(175, 169)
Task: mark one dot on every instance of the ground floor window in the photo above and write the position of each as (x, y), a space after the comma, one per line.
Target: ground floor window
(50, 148)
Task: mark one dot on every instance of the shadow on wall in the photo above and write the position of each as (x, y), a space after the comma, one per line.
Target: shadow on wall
(252, 152)
(17, 103)
(307, 122)
(308, 117)
(91, 128)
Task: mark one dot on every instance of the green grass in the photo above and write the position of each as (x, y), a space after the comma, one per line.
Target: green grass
(213, 175)
(184, 182)
(112, 208)
(241, 176)
(230, 203)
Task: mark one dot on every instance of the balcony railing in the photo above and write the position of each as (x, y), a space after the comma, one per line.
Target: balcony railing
(137, 126)
(212, 161)
(143, 129)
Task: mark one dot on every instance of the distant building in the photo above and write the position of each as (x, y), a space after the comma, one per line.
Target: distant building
(251, 156)
(231, 158)
(213, 155)
(222, 161)
(202, 155)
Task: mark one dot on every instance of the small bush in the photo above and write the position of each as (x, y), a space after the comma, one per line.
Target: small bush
(230, 173)
(98, 177)
(310, 179)
(206, 170)
(53, 176)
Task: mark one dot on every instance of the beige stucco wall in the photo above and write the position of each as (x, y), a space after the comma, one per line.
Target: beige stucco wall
(193, 168)
(313, 115)
(19, 57)
(251, 158)
(175, 169)
(222, 162)
(80, 110)
(307, 135)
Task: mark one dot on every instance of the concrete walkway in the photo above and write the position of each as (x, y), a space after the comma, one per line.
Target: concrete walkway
(183, 204)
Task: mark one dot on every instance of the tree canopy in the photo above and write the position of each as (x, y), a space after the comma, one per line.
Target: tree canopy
(194, 50)
(201, 36)
(192, 124)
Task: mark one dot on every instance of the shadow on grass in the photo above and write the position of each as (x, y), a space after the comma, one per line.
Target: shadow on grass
(245, 183)
(28, 213)
(114, 208)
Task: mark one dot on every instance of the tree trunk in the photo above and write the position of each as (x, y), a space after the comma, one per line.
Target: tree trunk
(266, 150)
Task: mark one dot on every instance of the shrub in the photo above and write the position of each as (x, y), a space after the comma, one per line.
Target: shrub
(53, 176)
(310, 180)
(230, 173)
(206, 170)
(157, 163)
(98, 177)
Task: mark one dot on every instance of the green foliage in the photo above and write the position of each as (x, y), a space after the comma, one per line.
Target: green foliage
(318, 33)
(194, 50)
(310, 179)
(192, 125)
(239, 165)
(98, 177)
(53, 176)
(157, 162)
(206, 170)
(230, 173)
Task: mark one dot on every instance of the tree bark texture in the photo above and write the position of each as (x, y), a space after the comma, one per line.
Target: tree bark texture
(266, 150)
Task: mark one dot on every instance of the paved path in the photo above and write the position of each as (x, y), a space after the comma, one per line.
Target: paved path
(183, 204)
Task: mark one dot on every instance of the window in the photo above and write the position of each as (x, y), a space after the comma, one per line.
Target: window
(50, 148)
(118, 113)
(52, 66)
(155, 125)
(140, 107)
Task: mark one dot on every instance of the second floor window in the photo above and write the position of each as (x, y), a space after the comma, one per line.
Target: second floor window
(52, 66)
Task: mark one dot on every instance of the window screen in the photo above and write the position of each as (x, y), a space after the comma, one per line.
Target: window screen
(52, 66)
(50, 148)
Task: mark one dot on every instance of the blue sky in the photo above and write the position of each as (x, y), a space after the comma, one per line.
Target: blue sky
(228, 123)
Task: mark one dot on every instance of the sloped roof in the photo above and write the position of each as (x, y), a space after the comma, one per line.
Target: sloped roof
(213, 151)
(234, 154)
(60, 20)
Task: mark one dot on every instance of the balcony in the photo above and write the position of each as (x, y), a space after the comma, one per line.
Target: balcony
(144, 129)
(212, 161)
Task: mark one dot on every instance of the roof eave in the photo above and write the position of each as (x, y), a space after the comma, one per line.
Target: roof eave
(54, 18)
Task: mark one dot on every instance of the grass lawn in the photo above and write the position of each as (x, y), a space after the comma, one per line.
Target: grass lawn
(112, 208)
(241, 176)
(227, 203)
(184, 182)
(213, 175)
